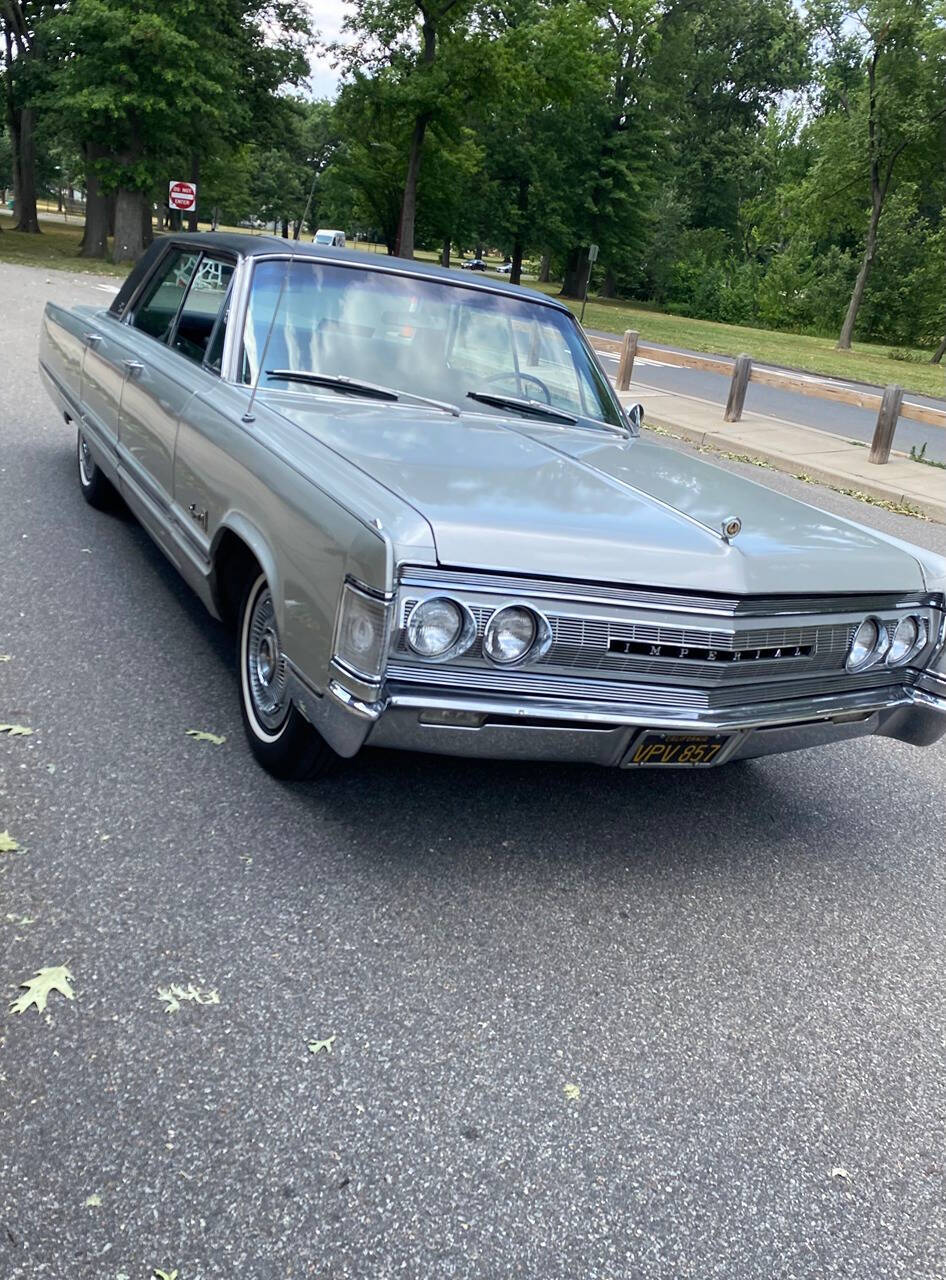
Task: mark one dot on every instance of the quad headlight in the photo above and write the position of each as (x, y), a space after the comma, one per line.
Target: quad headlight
(908, 639)
(440, 628)
(514, 632)
(868, 646)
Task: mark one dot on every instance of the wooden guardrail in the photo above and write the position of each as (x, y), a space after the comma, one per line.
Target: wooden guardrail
(890, 406)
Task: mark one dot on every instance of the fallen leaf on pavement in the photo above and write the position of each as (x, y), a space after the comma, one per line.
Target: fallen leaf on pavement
(218, 739)
(165, 1275)
(316, 1046)
(7, 843)
(93, 1202)
(841, 1174)
(572, 1092)
(174, 995)
(16, 730)
(38, 988)
(6, 657)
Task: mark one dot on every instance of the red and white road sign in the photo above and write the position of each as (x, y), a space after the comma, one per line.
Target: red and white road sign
(183, 196)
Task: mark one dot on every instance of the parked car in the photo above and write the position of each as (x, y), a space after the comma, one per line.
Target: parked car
(325, 236)
(506, 267)
(474, 264)
(432, 525)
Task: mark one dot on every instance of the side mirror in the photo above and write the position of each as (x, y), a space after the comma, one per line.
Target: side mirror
(635, 416)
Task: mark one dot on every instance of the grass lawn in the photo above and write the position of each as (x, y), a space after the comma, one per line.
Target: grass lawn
(864, 363)
(57, 248)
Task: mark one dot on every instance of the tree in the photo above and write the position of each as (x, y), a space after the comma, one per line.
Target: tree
(22, 67)
(883, 96)
(408, 36)
(129, 72)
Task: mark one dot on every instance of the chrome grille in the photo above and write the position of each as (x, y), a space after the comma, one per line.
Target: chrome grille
(582, 644)
(585, 661)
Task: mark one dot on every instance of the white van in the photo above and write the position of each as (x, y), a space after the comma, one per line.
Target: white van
(335, 239)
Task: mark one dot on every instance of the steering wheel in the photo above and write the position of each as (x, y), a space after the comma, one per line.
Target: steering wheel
(521, 377)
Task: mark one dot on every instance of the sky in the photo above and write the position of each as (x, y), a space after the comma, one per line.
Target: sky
(327, 17)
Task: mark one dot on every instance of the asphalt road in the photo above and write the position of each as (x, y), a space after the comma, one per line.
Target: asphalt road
(740, 970)
(808, 411)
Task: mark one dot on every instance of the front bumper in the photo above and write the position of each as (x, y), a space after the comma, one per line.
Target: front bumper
(495, 727)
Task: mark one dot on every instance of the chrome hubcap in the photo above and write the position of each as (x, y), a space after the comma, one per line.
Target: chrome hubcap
(266, 666)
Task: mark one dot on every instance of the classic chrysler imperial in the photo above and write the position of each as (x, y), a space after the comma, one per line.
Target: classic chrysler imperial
(432, 525)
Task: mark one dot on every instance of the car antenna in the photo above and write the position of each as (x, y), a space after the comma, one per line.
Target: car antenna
(249, 416)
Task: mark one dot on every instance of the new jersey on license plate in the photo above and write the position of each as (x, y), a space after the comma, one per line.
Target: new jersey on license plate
(675, 750)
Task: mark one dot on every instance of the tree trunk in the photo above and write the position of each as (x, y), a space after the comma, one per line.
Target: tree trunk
(608, 286)
(939, 353)
(296, 228)
(857, 297)
(515, 274)
(445, 253)
(111, 203)
(522, 209)
(405, 230)
(147, 224)
(24, 170)
(128, 245)
(95, 236)
(195, 178)
(544, 267)
(285, 228)
(577, 270)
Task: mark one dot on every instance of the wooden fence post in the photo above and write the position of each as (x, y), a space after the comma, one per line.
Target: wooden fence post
(742, 372)
(626, 363)
(886, 424)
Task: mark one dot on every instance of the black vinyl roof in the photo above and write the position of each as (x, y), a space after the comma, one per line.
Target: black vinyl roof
(253, 246)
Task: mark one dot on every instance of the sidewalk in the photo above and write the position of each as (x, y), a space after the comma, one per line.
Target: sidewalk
(798, 450)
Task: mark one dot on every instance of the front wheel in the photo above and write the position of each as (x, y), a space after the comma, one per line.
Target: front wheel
(281, 739)
(97, 489)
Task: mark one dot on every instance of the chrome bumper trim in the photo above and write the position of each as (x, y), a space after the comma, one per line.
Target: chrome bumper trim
(759, 716)
(537, 729)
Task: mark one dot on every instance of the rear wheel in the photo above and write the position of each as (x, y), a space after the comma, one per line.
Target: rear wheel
(97, 489)
(281, 739)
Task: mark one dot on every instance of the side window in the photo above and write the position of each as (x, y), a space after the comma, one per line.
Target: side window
(204, 302)
(158, 309)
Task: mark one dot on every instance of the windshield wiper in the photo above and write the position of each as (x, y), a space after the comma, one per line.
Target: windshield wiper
(333, 380)
(540, 409)
(355, 388)
(536, 407)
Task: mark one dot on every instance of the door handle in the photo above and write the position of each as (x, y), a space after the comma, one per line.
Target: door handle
(132, 367)
(92, 338)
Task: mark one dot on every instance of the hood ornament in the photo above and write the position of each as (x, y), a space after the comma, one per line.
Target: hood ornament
(731, 528)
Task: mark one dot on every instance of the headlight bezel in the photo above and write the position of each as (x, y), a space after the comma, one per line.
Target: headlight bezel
(541, 637)
(465, 635)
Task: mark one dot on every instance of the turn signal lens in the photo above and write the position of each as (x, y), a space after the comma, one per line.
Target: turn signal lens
(361, 631)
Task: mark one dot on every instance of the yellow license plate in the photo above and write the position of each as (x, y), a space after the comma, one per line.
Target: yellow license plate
(675, 750)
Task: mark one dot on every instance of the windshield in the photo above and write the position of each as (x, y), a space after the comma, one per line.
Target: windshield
(419, 337)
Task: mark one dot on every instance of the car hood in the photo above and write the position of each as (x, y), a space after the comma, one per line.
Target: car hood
(521, 497)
